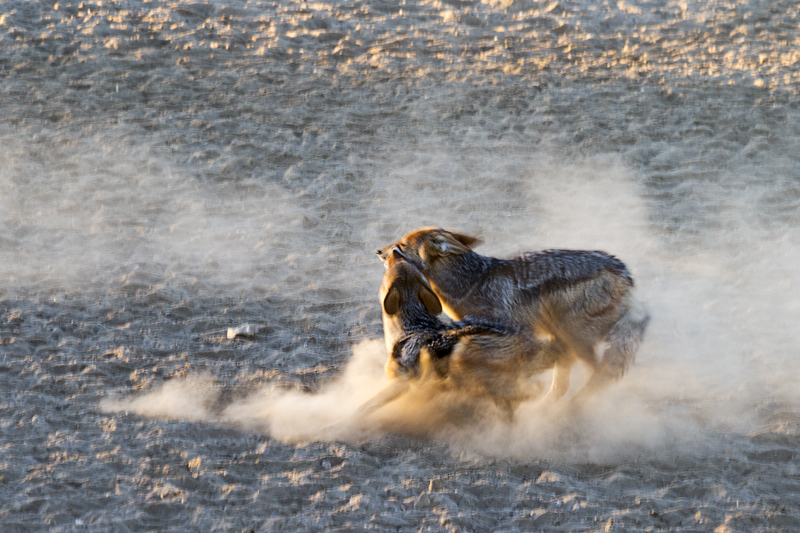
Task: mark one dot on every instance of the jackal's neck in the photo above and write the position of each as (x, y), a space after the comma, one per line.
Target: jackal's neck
(419, 321)
(409, 320)
(459, 278)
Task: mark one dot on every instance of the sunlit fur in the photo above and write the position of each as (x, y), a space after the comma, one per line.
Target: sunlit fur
(580, 302)
(478, 357)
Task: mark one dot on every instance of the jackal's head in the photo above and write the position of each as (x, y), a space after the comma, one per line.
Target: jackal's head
(425, 246)
(408, 305)
(405, 289)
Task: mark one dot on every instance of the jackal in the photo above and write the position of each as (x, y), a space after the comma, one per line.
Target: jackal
(480, 357)
(578, 302)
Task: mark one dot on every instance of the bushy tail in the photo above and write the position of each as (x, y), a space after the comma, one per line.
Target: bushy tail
(624, 339)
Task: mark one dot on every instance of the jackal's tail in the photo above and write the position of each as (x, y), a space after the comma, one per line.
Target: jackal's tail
(624, 338)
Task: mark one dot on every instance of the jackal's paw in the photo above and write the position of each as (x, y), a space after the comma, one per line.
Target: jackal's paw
(406, 350)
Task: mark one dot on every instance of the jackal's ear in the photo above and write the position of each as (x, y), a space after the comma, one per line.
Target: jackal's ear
(430, 301)
(446, 244)
(466, 240)
(391, 302)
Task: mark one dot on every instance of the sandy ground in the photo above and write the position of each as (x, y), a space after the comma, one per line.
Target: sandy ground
(169, 170)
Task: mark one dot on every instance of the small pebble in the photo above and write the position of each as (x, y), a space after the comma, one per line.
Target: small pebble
(423, 501)
(436, 484)
(245, 330)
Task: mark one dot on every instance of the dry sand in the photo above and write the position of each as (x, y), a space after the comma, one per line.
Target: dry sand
(169, 170)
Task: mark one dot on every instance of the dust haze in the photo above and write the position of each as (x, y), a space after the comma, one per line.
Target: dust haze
(172, 169)
(717, 345)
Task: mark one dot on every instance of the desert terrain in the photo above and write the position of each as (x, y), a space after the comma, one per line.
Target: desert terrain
(170, 170)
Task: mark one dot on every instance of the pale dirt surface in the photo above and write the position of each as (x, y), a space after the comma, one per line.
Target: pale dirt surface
(169, 170)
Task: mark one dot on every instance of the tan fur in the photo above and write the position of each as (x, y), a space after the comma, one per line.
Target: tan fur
(405, 289)
(491, 365)
(578, 316)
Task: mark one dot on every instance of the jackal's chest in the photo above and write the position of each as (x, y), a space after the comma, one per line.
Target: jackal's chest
(392, 331)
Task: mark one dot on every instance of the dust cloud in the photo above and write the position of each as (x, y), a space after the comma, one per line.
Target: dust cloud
(716, 341)
(172, 169)
(99, 212)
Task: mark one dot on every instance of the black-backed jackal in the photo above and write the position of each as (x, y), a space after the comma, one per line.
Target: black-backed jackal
(574, 304)
(480, 357)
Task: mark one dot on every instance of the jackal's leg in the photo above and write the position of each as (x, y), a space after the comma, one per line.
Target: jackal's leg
(599, 380)
(387, 395)
(392, 392)
(560, 384)
(615, 353)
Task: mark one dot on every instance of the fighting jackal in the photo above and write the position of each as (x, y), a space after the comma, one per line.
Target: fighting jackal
(479, 357)
(578, 302)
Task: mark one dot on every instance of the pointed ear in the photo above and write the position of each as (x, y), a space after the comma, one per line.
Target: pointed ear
(391, 302)
(383, 255)
(466, 240)
(446, 244)
(429, 300)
